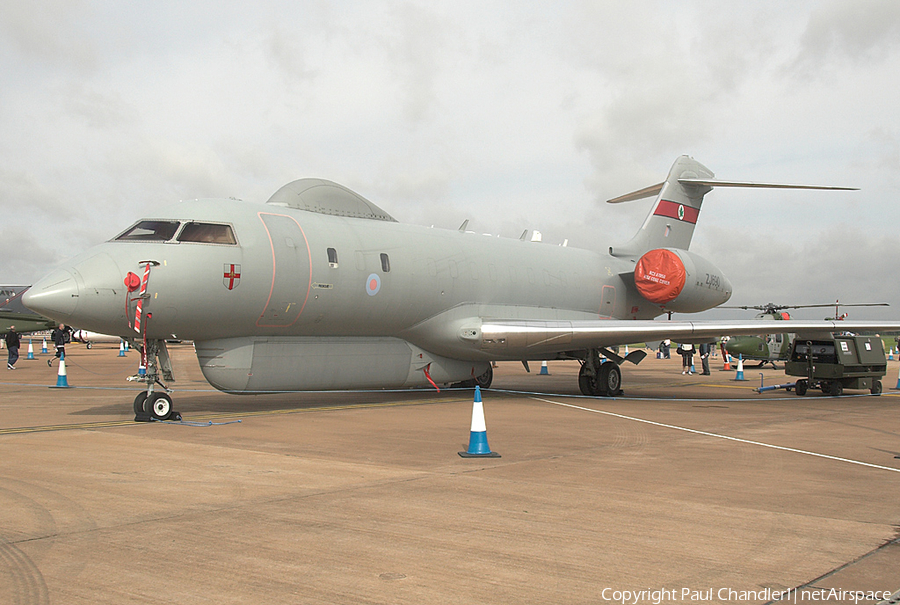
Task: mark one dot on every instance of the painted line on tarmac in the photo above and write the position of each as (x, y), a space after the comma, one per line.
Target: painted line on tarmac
(719, 436)
(327, 408)
(64, 427)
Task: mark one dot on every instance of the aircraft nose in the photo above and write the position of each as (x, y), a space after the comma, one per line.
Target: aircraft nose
(55, 296)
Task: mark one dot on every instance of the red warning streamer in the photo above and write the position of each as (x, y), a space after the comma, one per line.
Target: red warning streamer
(140, 303)
(428, 376)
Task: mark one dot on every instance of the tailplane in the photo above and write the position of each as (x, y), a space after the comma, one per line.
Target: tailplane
(674, 214)
(673, 217)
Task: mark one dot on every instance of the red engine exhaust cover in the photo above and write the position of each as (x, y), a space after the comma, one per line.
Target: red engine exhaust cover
(660, 276)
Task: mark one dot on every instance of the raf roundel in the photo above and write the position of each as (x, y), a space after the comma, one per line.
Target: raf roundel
(373, 284)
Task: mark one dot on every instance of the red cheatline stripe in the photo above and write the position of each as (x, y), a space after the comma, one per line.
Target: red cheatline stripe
(670, 209)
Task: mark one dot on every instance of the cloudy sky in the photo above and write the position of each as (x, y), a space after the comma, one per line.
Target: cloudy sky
(515, 115)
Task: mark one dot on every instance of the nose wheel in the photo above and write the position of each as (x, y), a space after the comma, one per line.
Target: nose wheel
(155, 403)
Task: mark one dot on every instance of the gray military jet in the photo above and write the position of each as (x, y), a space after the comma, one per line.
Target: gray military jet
(13, 313)
(320, 288)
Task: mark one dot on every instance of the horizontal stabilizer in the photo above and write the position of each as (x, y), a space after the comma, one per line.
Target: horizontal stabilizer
(655, 189)
(637, 195)
(718, 183)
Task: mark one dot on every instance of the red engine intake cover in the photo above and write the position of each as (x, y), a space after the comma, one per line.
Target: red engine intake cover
(659, 276)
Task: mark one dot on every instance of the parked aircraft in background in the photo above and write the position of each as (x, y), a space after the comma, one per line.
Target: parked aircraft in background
(769, 348)
(14, 313)
(89, 339)
(321, 289)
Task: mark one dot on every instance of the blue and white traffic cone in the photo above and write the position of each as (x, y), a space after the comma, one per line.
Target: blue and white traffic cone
(30, 350)
(127, 348)
(898, 380)
(121, 348)
(44, 346)
(626, 350)
(544, 371)
(740, 370)
(478, 443)
(891, 354)
(61, 381)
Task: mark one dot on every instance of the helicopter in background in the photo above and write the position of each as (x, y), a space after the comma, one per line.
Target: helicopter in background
(769, 348)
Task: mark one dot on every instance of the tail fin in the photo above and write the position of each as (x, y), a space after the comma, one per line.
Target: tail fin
(673, 217)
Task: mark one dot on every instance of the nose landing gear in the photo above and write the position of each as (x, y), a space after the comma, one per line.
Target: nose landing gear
(154, 404)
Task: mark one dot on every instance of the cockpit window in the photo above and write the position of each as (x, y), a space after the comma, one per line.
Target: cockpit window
(207, 233)
(150, 231)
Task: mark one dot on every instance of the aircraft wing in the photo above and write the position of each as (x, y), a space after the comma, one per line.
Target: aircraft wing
(537, 337)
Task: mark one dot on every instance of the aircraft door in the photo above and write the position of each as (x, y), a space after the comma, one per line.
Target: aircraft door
(291, 271)
(773, 345)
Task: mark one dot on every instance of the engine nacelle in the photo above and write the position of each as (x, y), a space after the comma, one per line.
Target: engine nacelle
(680, 281)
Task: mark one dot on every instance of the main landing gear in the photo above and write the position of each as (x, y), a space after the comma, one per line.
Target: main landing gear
(603, 378)
(155, 404)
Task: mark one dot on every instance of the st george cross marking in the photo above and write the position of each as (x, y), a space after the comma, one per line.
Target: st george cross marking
(232, 276)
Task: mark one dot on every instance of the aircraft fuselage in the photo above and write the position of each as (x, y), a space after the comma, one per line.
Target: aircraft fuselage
(302, 283)
(321, 289)
(388, 278)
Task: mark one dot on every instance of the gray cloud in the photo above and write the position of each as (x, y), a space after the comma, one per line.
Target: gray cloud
(865, 31)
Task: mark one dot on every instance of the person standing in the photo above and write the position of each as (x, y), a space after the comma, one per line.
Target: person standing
(60, 337)
(705, 350)
(12, 343)
(687, 358)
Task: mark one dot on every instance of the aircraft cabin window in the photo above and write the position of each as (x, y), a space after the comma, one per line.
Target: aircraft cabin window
(385, 263)
(150, 231)
(332, 258)
(207, 233)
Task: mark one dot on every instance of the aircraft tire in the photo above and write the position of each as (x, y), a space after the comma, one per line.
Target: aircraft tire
(139, 403)
(587, 384)
(89, 345)
(800, 387)
(484, 381)
(610, 379)
(876, 388)
(160, 406)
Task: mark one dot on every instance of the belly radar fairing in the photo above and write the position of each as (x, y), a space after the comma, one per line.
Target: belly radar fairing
(321, 289)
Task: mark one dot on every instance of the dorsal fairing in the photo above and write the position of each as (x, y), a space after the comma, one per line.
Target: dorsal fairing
(674, 214)
(325, 197)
